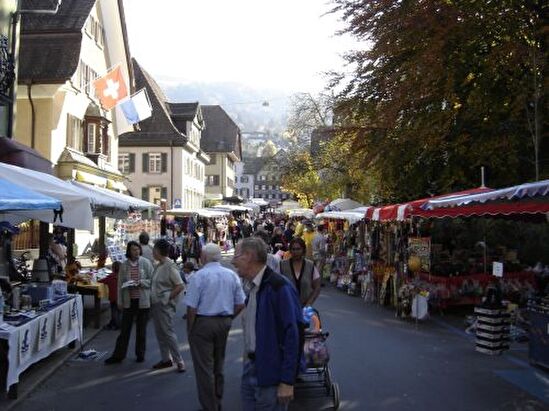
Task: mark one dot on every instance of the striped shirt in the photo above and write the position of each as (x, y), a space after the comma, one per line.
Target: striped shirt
(134, 276)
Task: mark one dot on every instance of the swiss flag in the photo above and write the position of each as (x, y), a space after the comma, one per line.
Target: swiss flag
(111, 88)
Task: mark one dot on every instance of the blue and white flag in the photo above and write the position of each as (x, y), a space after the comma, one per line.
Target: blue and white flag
(137, 108)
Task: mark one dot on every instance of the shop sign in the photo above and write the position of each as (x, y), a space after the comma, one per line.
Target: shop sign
(497, 269)
(421, 247)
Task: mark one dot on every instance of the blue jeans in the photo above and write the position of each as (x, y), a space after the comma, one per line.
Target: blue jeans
(255, 398)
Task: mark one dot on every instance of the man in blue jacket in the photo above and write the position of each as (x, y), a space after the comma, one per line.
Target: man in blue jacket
(272, 323)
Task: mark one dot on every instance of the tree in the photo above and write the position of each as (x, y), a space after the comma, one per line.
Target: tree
(269, 149)
(308, 112)
(446, 87)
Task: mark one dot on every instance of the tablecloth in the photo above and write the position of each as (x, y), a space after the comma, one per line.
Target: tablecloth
(44, 334)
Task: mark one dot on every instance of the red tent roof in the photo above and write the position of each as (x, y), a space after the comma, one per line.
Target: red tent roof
(399, 212)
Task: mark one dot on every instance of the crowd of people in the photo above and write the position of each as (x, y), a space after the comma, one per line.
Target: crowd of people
(277, 266)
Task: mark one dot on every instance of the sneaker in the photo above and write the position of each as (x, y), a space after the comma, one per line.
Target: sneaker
(162, 364)
(113, 360)
(181, 367)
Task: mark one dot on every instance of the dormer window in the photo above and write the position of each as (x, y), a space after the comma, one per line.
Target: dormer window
(96, 135)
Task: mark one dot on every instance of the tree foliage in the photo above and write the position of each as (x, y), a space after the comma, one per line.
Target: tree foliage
(446, 87)
(308, 113)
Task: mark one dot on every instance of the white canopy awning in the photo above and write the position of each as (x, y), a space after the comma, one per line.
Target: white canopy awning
(352, 216)
(342, 204)
(259, 201)
(76, 205)
(110, 203)
(289, 205)
(301, 212)
(202, 212)
(230, 207)
(531, 190)
(252, 206)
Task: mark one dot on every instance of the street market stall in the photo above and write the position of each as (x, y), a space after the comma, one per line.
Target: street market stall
(35, 319)
(345, 259)
(449, 276)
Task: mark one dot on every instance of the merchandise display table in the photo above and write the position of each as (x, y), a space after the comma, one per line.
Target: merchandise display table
(98, 291)
(36, 338)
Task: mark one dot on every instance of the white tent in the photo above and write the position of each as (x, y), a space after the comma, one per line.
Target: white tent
(110, 203)
(202, 212)
(76, 206)
(352, 216)
(259, 201)
(230, 207)
(342, 204)
(289, 205)
(252, 206)
(301, 212)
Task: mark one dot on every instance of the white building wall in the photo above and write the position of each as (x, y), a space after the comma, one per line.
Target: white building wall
(192, 187)
(116, 55)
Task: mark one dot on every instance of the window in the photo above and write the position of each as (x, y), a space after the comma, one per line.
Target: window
(85, 78)
(244, 179)
(263, 187)
(95, 30)
(262, 177)
(126, 163)
(155, 163)
(230, 182)
(213, 159)
(212, 180)
(256, 187)
(74, 132)
(91, 134)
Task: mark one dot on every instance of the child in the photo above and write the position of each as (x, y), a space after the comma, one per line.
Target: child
(111, 281)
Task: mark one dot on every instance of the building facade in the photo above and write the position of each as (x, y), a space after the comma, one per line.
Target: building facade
(163, 160)
(58, 113)
(244, 182)
(267, 180)
(221, 140)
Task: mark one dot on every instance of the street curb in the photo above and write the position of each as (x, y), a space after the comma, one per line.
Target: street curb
(51, 370)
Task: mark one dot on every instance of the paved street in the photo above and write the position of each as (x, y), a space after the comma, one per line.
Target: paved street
(380, 363)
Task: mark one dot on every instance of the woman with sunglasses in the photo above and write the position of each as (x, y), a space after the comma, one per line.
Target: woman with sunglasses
(301, 272)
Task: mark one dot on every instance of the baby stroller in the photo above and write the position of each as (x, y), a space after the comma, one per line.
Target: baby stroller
(316, 381)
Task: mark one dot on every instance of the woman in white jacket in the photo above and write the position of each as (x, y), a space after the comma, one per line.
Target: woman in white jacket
(134, 298)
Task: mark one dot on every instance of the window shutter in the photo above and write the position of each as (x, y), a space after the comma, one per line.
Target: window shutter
(164, 165)
(145, 193)
(164, 193)
(132, 163)
(145, 162)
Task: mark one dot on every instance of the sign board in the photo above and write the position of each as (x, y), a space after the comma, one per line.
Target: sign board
(421, 247)
(177, 203)
(497, 269)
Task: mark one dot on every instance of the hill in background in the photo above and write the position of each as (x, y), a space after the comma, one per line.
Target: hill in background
(254, 110)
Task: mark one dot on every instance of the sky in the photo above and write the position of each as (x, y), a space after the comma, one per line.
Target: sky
(284, 45)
